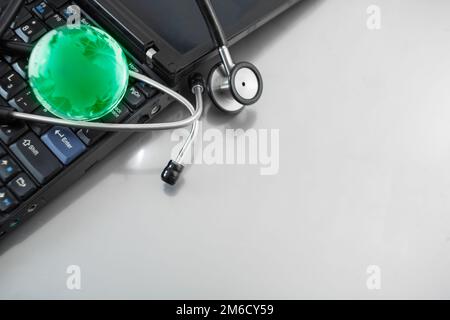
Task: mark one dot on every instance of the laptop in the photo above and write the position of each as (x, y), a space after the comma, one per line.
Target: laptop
(164, 39)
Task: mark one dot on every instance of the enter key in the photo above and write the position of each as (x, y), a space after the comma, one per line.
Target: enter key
(64, 144)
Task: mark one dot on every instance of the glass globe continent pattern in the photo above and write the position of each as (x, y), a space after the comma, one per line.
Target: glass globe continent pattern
(78, 73)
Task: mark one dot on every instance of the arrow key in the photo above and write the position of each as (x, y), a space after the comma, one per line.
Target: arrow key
(8, 168)
(7, 201)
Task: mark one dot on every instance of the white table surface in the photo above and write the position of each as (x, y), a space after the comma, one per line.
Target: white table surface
(364, 179)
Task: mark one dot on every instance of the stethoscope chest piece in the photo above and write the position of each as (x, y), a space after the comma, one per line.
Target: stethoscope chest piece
(231, 86)
(246, 83)
(232, 91)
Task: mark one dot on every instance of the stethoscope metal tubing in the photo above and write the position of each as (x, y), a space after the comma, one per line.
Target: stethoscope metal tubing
(195, 114)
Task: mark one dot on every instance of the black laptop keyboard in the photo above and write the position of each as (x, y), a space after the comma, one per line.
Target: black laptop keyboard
(33, 154)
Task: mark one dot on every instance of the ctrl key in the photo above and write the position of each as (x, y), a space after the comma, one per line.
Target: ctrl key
(36, 157)
(7, 201)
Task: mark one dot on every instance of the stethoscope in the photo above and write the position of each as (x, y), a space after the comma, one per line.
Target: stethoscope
(231, 87)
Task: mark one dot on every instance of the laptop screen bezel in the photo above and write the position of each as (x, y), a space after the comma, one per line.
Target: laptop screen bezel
(168, 61)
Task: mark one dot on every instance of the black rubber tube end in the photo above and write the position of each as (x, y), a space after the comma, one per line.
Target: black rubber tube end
(196, 80)
(172, 173)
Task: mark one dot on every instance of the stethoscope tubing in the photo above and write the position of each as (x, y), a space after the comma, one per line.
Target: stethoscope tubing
(195, 112)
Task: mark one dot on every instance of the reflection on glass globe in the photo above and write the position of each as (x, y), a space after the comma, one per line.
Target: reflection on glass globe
(78, 73)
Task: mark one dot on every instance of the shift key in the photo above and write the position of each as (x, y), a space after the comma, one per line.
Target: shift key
(35, 156)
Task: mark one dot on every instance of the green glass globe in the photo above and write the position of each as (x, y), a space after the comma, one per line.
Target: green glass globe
(78, 73)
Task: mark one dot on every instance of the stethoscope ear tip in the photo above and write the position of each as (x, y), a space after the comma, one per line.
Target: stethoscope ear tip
(172, 172)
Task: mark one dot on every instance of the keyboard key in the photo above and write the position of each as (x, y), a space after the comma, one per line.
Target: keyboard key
(41, 128)
(85, 21)
(10, 59)
(22, 186)
(10, 133)
(31, 31)
(147, 89)
(3, 103)
(9, 34)
(12, 36)
(55, 21)
(8, 168)
(133, 67)
(118, 115)
(21, 18)
(7, 201)
(11, 84)
(42, 10)
(25, 102)
(4, 68)
(64, 144)
(56, 3)
(134, 97)
(90, 137)
(36, 158)
(21, 67)
(2, 151)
